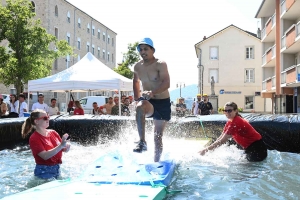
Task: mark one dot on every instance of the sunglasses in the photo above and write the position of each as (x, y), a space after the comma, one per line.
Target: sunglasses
(45, 118)
(228, 111)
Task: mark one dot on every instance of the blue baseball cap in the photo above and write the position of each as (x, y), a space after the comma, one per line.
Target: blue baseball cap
(146, 41)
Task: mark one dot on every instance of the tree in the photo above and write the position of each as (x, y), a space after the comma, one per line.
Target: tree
(129, 58)
(29, 54)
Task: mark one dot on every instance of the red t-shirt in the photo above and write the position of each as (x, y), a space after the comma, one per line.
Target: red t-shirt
(241, 131)
(39, 143)
(78, 111)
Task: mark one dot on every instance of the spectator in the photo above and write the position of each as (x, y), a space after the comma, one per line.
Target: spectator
(70, 106)
(115, 108)
(106, 108)
(78, 108)
(53, 109)
(96, 109)
(205, 107)
(123, 98)
(125, 111)
(180, 108)
(46, 145)
(14, 106)
(40, 104)
(195, 109)
(3, 107)
(22, 105)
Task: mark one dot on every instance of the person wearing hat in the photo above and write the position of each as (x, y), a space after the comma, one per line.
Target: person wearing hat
(180, 108)
(205, 107)
(154, 101)
(195, 110)
(40, 104)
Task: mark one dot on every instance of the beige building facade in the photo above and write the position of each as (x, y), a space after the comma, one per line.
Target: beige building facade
(83, 32)
(232, 57)
(280, 37)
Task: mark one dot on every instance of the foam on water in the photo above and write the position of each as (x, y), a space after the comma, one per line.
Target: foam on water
(221, 174)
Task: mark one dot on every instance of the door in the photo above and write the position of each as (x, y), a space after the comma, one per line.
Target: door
(289, 104)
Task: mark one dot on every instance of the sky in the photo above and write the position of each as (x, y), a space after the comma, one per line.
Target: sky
(174, 26)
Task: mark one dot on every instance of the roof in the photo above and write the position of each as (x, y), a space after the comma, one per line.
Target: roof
(261, 5)
(230, 26)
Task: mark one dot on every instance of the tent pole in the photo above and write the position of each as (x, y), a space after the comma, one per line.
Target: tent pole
(119, 93)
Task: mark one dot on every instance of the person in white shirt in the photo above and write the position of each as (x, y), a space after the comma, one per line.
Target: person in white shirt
(14, 105)
(22, 105)
(53, 109)
(195, 109)
(40, 104)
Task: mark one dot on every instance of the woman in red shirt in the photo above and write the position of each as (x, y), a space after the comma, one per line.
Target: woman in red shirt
(78, 108)
(242, 132)
(46, 145)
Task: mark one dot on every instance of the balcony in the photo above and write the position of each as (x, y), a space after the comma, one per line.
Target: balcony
(290, 42)
(289, 9)
(268, 32)
(268, 57)
(267, 84)
(289, 76)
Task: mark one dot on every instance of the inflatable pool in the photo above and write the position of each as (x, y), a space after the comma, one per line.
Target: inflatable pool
(109, 177)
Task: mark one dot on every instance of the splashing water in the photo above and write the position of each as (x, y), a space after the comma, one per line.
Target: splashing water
(221, 174)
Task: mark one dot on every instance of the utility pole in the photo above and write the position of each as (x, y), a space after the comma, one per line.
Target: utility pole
(200, 70)
(180, 84)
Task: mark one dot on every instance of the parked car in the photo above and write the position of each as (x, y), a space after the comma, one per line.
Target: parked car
(87, 102)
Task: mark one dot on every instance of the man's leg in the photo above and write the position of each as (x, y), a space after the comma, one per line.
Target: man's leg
(159, 126)
(143, 109)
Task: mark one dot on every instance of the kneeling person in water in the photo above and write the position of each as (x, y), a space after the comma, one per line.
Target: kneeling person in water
(154, 75)
(46, 145)
(243, 134)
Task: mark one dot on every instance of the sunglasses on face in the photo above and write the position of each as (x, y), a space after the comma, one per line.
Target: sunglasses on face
(228, 111)
(45, 118)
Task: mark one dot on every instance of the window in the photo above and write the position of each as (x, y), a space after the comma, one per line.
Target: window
(99, 52)
(55, 64)
(112, 57)
(88, 28)
(56, 32)
(55, 95)
(68, 17)
(249, 53)
(93, 30)
(79, 23)
(249, 102)
(214, 53)
(107, 56)
(99, 34)
(78, 43)
(93, 49)
(56, 11)
(78, 58)
(112, 42)
(88, 47)
(104, 37)
(108, 37)
(213, 73)
(103, 54)
(249, 75)
(68, 60)
(68, 38)
(33, 6)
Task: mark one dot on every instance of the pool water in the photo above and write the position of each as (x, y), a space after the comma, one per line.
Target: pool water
(221, 174)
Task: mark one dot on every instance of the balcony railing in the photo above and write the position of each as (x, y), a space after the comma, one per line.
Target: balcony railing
(283, 77)
(264, 59)
(263, 33)
(298, 68)
(273, 51)
(273, 81)
(298, 29)
(273, 19)
(283, 41)
(264, 85)
(282, 7)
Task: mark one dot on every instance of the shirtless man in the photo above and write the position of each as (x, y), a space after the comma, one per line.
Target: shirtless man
(107, 107)
(155, 99)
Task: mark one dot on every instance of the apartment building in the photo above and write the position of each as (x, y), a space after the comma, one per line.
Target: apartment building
(83, 32)
(280, 37)
(233, 57)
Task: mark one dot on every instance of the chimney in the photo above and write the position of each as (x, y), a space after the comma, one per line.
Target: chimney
(259, 33)
(204, 38)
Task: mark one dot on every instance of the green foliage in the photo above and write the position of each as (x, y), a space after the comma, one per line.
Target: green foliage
(28, 55)
(129, 59)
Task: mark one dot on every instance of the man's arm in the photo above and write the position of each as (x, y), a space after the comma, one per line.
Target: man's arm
(136, 83)
(165, 79)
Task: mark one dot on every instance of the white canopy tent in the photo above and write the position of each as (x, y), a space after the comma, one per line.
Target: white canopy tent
(89, 74)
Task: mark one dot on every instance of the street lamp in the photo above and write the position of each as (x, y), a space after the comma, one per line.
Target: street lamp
(201, 70)
(180, 84)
